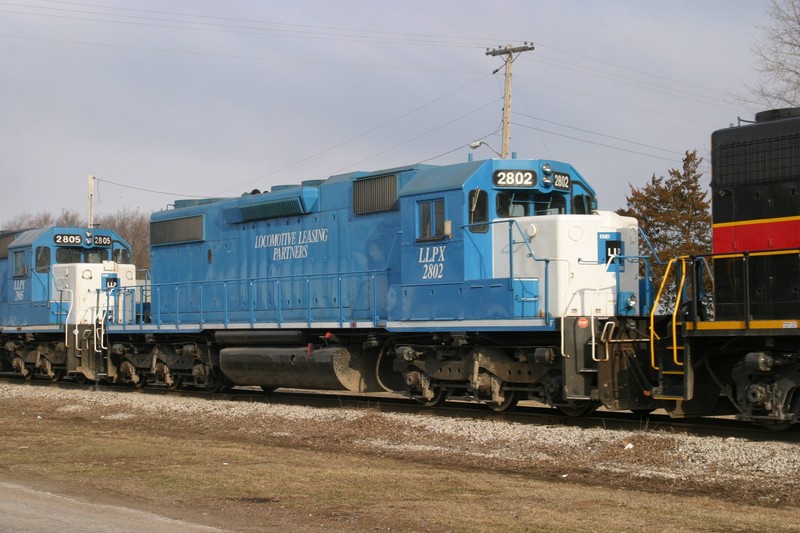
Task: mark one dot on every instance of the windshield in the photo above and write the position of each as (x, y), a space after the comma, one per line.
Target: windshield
(80, 255)
(521, 204)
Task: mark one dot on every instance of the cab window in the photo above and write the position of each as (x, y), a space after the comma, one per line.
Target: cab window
(122, 256)
(20, 269)
(550, 204)
(431, 219)
(42, 259)
(96, 255)
(68, 255)
(582, 204)
(516, 204)
(478, 211)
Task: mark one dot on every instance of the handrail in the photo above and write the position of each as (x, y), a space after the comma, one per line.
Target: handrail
(676, 309)
(594, 299)
(252, 287)
(66, 320)
(656, 303)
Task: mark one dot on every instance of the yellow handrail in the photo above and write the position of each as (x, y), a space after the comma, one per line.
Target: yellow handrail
(675, 312)
(653, 315)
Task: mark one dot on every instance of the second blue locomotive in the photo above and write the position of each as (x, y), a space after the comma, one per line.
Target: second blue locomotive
(465, 280)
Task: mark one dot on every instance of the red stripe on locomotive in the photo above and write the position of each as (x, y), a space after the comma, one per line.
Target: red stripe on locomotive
(754, 235)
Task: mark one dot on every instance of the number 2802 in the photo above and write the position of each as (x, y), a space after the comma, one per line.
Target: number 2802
(514, 178)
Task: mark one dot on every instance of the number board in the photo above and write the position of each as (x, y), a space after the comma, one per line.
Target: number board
(102, 240)
(561, 181)
(514, 178)
(66, 238)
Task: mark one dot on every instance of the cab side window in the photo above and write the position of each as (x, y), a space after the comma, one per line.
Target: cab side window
(431, 220)
(478, 211)
(20, 268)
(42, 259)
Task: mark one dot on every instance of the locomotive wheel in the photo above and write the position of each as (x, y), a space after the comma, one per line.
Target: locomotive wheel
(176, 383)
(509, 402)
(142, 381)
(784, 424)
(578, 409)
(29, 375)
(57, 375)
(439, 397)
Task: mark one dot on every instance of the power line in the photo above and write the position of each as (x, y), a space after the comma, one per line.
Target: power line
(417, 137)
(617, 102)
(600, 134)
(231, 56)
(149, 190)
(474, 41)
(305, 31)
(617, 65)
(597, 143)
(362, 134)
(251, 27)
(642, 84)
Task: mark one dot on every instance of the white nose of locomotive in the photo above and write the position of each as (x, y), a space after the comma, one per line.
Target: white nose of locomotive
(86, 291)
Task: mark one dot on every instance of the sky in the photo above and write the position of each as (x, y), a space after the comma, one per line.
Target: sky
(169, 99)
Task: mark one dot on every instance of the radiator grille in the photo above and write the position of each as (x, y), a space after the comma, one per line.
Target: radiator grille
(178, 230)
(373, 195)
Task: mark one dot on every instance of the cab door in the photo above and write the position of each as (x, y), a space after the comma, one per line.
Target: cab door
(478, 237)
(18, 288)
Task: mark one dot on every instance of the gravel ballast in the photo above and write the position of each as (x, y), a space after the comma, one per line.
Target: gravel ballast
(761, 472)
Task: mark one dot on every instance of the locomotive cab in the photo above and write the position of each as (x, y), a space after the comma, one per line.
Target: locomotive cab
(518, 241)
(524, 281)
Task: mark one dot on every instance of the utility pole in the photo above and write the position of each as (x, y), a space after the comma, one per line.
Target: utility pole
(90, 219)
(508, 51)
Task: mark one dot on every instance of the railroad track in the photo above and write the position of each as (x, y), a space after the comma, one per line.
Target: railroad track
(527, 412)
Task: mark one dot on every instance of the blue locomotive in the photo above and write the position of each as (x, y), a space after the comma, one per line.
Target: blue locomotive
(59, 289)
(490, 280)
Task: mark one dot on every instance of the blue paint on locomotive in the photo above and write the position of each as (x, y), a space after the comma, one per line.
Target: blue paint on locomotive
(28, 297)
(401, 246)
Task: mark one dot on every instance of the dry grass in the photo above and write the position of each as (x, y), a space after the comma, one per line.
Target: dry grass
(308, 477)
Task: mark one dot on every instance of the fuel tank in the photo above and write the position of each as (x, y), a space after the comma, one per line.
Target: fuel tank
(301, 367)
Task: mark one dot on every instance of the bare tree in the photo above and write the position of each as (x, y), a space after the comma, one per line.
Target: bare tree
(133, 226)
(70, 217)
(778, 56)
(43, 219)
